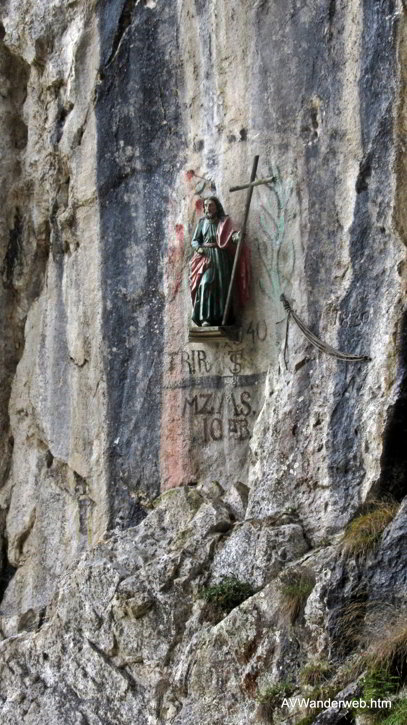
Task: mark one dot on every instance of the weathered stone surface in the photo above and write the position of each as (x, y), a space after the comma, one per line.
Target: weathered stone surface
(129, 615)
(126, 637)
(55, 490)
(256, 552)
(110, 113)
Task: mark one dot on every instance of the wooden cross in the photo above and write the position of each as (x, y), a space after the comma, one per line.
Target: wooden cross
(252, 183)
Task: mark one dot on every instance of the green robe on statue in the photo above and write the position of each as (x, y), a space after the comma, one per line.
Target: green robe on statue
(211, 271)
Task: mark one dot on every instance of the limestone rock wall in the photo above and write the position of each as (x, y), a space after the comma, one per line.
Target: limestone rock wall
(54, 496)
(117, 118)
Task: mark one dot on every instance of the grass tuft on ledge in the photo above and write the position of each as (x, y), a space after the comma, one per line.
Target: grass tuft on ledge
(363, 533)
(295, 585)
(388, 648)
(315, 673)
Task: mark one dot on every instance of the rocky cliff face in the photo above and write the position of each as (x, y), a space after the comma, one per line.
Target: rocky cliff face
(139, 468)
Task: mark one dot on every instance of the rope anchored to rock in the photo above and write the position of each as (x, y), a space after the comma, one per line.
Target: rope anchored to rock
(314, 340)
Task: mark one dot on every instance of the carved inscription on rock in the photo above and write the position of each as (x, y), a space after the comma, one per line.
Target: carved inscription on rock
(218, 401)
(200, 362)
(222, 414)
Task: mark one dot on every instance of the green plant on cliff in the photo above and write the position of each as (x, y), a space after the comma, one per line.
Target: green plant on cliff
(271, 698)
(227, 594)
(295, 587)
(378, 632)
(378, 683)
(398, 716)
(324, 691)
(383, 656)
(363, 533)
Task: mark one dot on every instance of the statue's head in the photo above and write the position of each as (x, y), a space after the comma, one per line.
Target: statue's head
(213, 208)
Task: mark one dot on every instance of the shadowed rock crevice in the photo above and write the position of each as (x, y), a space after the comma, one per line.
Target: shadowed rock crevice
(123, 24)
(14, 249)
(6, 573)
(393, 478)
(400, 208)
(62, 115)
(365, 172)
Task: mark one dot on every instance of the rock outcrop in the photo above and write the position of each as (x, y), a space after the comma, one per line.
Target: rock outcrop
(137, 467)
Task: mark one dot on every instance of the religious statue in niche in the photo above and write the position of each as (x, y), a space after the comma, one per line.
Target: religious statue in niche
(221, 260)
(212, 269)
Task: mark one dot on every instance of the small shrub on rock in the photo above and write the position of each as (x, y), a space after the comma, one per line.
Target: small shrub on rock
(270, 699)
(227, 594)
(325, 691)
(378, 683)
(295, 587)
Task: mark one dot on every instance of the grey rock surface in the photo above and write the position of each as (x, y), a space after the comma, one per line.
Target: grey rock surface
(137, 468)
(132, 618)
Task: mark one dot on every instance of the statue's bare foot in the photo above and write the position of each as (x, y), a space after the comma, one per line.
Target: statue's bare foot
(206, 324)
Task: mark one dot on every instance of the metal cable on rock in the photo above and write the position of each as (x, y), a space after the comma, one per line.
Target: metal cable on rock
(315, 341)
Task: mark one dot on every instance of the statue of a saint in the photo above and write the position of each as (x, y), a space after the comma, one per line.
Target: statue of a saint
(215, 241)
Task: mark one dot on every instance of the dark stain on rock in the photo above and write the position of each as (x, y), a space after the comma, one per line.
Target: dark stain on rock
(62, 115)
(331, 17)
(20, 133)
(310, 124)
(56, 239)
(14, 249)
(140, 137)
(321, 82)
(249, 683)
